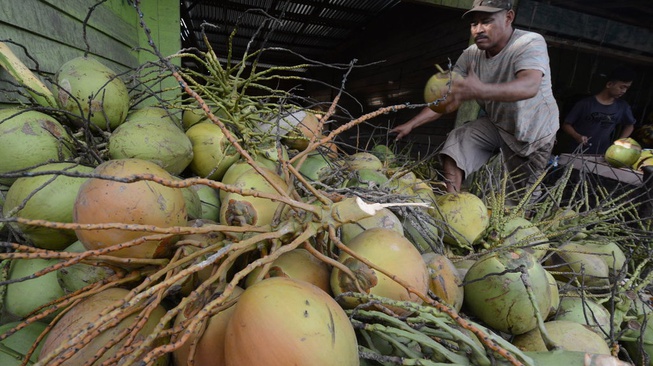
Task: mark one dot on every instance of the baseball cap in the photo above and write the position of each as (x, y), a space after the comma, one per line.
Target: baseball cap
(489, 6)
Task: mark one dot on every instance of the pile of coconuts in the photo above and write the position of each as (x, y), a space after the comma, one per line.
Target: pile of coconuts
(226, 231)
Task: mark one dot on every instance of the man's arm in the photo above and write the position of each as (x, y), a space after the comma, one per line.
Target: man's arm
(426, 115)
(626, 130)
(571, 131)
(525, 86)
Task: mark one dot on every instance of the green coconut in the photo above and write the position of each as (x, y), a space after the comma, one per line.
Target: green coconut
(384, 153)
(239, 167)
(437, 89)
(496, 294)
(80, 275)
(567, 335)
(554, 292)
(363, 160)
(91, 91)
(298, 264)
(608, 251)
(559, 357)
(191, 117)
(584, 311)
(389, 251)
(157, 113)
(212, 152)
(423, 192)
(301, 133)
(156, 139)
(316, 167)
(241, 210)
(463, 265)
(518, 232)
(623, 153)
(274, 152)
(383, 218)
(445, 280)
(193, 203)
(28, 139)
(209, 202)
(465, 217)
(402, 183)
(3, 193)
(48, 197)
(561, 219)
(573, 261)
(367, 178)
(14, 348)
(423, 233)
(24, 297)
(233, 172)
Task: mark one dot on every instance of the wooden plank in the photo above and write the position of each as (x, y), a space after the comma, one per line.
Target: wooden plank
(51, 55)
(42, 20)
(115, 18)
(541, 16)
(596, 164)
(579, 45)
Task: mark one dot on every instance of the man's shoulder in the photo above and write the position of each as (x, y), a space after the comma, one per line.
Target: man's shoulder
(523, 40)
(525, 34)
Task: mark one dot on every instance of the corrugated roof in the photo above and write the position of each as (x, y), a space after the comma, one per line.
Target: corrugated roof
(311, 28)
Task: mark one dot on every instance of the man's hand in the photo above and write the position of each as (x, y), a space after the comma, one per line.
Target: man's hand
(401, 130)
(426, 115)
(524, 86)
(468, 88)
(583, 140)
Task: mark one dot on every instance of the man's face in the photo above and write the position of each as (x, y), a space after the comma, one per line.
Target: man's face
(491, 31)
(618, 88)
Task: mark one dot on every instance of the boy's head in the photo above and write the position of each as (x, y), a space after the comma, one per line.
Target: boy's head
(619, 81)
(622, 73)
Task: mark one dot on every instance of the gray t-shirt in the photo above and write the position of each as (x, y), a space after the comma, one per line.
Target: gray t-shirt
(527, 124)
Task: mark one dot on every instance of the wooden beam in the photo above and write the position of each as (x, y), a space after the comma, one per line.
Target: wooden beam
(580, 45)
(579, 26)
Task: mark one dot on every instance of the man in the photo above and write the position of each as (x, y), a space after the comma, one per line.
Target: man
(507, 72)
(593, 120)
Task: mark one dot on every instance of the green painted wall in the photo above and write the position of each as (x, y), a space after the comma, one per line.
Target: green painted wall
(52, 32)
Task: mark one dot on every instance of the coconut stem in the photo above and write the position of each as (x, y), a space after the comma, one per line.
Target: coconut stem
(437, 325)
(397, 329)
